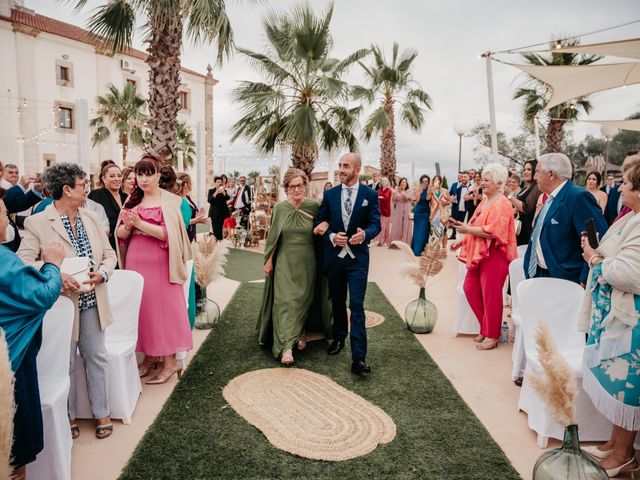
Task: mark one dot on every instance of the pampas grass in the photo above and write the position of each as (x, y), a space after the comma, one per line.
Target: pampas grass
(7, 409)
(419, 269)
(557, 387)
(209, 259)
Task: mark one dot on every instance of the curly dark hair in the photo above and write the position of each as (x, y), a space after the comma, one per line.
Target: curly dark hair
(57, 176)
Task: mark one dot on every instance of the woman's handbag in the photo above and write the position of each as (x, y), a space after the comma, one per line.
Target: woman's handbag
(78, 268)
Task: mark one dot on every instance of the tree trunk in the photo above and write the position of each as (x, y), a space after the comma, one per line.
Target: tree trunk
(555, 134)
(164, 84)
(124, 142)
(388, 145)
(304, 159)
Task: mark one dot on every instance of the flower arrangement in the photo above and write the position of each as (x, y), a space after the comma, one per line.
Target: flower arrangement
(209, 259)
(6, 409)
(419, 269)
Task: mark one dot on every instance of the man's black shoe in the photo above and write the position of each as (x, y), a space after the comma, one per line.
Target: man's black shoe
(359, 367)
(335, 347)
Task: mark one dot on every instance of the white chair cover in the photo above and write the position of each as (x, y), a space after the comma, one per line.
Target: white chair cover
(466, 321)
(558, 303)
(54, 461)
(125, 294)
(516, 275)
(522, 249)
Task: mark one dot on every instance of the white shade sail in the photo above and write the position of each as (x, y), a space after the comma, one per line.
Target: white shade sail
(633, 125)
(621, 48)
(568, 82)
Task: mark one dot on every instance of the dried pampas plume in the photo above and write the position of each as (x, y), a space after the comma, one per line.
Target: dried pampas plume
(557, 387)
(6, 409)
(209, 259)
(419, 269)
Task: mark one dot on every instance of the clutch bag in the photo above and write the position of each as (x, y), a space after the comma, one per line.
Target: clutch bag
(78, 268)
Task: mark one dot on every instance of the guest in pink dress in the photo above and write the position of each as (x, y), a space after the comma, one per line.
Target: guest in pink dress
(400, 218)
(153, 241)
(384, 200)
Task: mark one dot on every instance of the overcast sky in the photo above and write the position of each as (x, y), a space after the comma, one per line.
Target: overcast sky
(448, 35)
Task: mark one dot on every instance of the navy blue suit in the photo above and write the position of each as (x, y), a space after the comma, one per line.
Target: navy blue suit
(17, 200)
(349, 273)
(560, 237)
(611, 210)
(454, 206)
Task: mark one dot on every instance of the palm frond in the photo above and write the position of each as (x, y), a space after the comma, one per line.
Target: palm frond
(112, 24)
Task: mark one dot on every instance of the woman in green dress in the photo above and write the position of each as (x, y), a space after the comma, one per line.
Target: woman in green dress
(295, 298)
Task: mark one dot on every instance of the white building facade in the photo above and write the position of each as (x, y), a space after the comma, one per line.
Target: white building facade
(52, 72)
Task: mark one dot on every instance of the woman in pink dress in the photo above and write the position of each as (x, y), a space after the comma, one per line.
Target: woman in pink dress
(400, 218)
(154, 242)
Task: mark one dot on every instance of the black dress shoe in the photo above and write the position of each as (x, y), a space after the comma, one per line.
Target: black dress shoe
(359, 367)
(518, 381)
(335, 347)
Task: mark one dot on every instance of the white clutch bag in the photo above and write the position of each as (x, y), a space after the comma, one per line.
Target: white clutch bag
(78, 268)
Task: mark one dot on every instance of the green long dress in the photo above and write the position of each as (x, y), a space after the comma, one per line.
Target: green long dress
(295, 298)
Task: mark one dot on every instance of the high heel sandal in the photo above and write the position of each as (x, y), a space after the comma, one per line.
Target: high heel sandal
(302, 344)
(624, 469)
(145, 368)
(594, 451)
(163, 377)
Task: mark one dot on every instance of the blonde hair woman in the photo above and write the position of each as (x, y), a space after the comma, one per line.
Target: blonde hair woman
(291, 273)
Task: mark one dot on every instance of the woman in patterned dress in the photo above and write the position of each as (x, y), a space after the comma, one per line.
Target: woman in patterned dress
(611, 375)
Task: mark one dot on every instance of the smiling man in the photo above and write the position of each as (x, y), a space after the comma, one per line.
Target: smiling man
(353, 216)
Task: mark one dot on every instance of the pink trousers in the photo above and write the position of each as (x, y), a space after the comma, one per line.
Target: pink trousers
(483, 287)
(385, 228)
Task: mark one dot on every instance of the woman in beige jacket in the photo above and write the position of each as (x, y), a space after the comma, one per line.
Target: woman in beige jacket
(82, 236)
(153, 241)
(610, 314)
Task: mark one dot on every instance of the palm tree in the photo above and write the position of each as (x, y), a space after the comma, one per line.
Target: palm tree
(391, 84)
(123, 111)
(112, 26)
(302, 103)
(185, 148)
(536, 94)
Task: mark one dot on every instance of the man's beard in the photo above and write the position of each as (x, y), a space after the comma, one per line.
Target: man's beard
(347, 178)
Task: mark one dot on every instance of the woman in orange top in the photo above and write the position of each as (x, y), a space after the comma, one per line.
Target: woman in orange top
(488, 246)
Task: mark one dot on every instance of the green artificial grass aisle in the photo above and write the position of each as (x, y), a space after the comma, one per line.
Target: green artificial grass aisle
(244, 266)
(197, 436)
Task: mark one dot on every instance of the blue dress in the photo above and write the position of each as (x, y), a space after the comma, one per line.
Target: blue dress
(421, 225)
(613, 382)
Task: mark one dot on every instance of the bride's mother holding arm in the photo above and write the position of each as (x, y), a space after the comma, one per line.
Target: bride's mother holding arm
(291, 272)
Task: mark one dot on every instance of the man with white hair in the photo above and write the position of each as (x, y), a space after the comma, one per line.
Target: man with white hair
(554, 248)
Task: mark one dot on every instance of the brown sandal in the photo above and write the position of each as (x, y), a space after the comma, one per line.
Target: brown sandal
(75, 430)
(104, 431)
(479, 339)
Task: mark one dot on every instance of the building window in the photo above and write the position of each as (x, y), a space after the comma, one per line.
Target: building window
(65, 116)
(184, 100)
(64, 73)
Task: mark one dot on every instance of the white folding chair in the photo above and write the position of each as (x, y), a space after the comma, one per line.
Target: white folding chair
(54, 461)
(518, 358)
(466, 321)
(125, 294)
(558, 303)
(522, 249)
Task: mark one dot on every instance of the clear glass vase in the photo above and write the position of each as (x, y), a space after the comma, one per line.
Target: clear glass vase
(207, 311)
(568, 461)
(421, 314)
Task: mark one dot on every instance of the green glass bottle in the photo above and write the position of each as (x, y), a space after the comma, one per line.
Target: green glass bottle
(421, 314)
(568, 461)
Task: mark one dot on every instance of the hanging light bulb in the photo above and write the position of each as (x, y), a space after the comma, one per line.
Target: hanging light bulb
(558, 45)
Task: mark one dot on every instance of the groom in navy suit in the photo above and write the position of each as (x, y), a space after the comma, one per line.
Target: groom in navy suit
(348, 219)
(554, 248)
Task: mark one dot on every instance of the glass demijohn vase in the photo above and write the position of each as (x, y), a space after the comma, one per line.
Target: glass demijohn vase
(421, 314)
(568, 461)
(207, 312)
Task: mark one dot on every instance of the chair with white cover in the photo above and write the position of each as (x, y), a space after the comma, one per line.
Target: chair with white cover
(518, 358)
(522, 249)
(466, 322)
(121, 337)
(558, 303)
(54, 461)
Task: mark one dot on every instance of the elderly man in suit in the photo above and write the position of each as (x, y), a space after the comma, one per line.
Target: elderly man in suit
(554, 249)
(348, 219)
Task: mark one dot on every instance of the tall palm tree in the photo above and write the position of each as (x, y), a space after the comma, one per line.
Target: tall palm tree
(536, 94)
(391, 83)
(303, 102)
(112, 27)
(185, 147)
(120, 113)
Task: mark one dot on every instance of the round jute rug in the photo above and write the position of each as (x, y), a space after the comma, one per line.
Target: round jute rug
(372, 319)
(308, 414)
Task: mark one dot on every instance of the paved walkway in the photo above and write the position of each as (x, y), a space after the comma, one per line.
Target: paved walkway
(481, 378)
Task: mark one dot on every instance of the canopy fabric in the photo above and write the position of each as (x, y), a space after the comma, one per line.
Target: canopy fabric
(621, 48)
(633, 125)
(567, 82)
